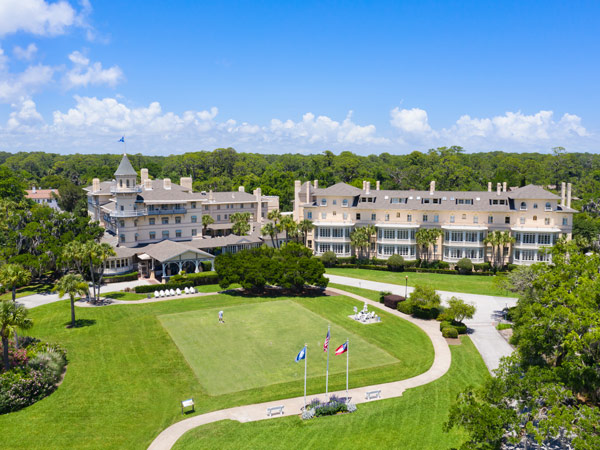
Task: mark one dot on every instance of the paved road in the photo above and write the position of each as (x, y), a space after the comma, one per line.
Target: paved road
(31, 301)
(293, 406)
(491, 345)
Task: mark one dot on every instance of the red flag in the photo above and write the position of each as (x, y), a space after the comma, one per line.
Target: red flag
(326, 344)
(342, 348)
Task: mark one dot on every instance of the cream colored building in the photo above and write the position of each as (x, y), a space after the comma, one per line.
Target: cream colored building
(152, 211)
(535, 217)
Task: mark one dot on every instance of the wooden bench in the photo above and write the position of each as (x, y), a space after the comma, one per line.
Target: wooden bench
(186, 404)
(275, 410)
(370, 395)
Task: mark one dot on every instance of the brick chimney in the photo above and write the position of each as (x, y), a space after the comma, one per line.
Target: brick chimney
(563, 193)
(498, 188)
(504, 187)
(167, 183)
(241, 189)
(143, 175)
(258, 194)
(308, 192)
(316, 184)
(377, 185)
(96, 185)
(489, 186)
(186, 182)
(367, 187)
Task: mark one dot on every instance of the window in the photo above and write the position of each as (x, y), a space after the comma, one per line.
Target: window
(397, 215)
(193, 205)
(464, 201)
(225, 216)
(323, 202)
(165, 220)
(398, 200)
(121, 223)
(389, 234)
(177, 219)
(373, 216)
(545, 239)
(152, 235)
(409, 217)
(357, 216)
(475, 219)
(218, 206)
(548, 206)
(387, 217)
(523, 206)
(323, 215)
(122, 238)
(345, 216)
(324, 232)
(194, 219)
(507, 220)
(345, 203)
(528, 238)
(127, 183)
(177, 233)
(165, 234)
(136, 237)
(464, 217)
(534, 218)
(425, 217)
(309, 215)
(535, 206)
(335, 213)
(194, 232)
(451, 219)
(547, 221)
(122, 208)
(218, 216)
(334, 201)
(436, 218)
(522, 220)
(490, 219)
(205, 207)
(565, 221)
(241, 206)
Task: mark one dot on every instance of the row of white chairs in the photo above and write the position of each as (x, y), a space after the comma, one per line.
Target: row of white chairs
(173, 292)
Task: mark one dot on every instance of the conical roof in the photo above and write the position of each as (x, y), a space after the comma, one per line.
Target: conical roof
(125, 167)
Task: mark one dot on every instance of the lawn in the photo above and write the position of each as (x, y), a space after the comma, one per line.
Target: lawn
(413, 421)
(257, 344)
(132, 296)
(36, 288)
(126, 376)
(469, 284)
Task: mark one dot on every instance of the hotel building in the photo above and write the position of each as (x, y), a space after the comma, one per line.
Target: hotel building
(535, 217)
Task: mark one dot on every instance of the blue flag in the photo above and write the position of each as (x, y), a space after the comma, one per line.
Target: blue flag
(122, 139)
(301, 355)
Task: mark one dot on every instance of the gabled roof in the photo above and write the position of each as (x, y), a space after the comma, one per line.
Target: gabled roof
(339, 189)
(125, 167)
(166, 250)
(532, 191)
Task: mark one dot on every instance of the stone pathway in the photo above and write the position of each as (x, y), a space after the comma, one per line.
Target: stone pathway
(293, 406)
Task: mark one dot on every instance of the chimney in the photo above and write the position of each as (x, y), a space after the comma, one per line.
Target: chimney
(367, 187)
(297, 186)
(377, 185)
(489, 186)
(147, 184)
(316, 184)
(241, 189)
(563, 193)
(33, 189)
(167, 183)
(143, 175)
(257, 192)
(498, 188)
(568, 195)
(308, 192)
(504, 187)
(96, 185)
(186, 182)
(211, 197)
(431, 187)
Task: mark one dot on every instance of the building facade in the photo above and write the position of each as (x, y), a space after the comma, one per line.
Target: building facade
(48, 197)
(534, 217)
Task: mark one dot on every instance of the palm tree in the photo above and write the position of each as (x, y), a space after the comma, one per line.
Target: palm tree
(370, 231)
(269, 229)
(13, 276)
(72, 285)
(275, 216)
(289, 226)
(241, 223)
(95, 255)
(359, 239)
(493, 240)
(305, 226)
(504, 241)
(427, 237)
(12, 316)
(206, 221)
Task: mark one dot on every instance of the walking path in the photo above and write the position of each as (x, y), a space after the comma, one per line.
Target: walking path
(491, 345)
(85, 304)
(250, 413)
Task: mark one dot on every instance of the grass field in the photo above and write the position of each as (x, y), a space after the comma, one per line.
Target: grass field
(126, 376)
(257, 344)
(413, 421)
(28, 290)
(469, 284)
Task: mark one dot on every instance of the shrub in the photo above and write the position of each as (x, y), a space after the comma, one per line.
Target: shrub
(464, 265)
(405, 307)
(443, 265)
(450, 332)
(503, 326)
(424, 302)
(395, 263)
(382, 294)
(460, 327)
(333, 406)
(378, 262)
(181, 282)
(206, 266)
(118, 278)
(347, 260)
(329, 259)
(444, 324)
(511, 267)
(392, 301)
(458, 310)
(510, 313)
(412, 263)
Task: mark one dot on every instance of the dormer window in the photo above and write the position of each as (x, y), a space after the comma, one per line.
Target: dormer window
(548, 206)
(345, 203)
(323, 202)
(523, 206)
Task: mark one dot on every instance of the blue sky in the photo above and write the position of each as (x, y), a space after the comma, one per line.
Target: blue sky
(303, 77)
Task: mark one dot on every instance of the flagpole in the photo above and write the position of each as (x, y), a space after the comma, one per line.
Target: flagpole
(327, 371)
(305, 358)
(347, 365)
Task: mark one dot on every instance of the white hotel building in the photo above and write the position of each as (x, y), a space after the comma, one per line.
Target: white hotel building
(535, 217)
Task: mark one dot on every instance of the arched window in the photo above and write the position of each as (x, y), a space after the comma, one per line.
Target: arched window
(523, 205)
(127, 183)
(548, 206)
(120, 183)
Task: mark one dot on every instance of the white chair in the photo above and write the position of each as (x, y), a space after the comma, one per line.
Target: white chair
(156, 294)
(186, 290)
(193, 290)
(178, 291)
(172, 292)
(162, 293)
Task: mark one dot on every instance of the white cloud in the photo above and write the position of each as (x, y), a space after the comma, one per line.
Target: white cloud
(15, 86)
(25, 117)
(25, 54)
(413, 120)
(84, 74)
(35, 16)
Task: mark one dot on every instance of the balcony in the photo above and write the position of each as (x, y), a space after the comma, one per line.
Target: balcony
(155, 212)
(129, 213)
(114, 189)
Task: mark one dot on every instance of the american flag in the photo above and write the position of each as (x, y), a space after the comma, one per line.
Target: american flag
(326, 344)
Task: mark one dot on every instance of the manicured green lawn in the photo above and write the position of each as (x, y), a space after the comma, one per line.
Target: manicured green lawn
(126, 376)
(413, 421)
(127, 296)
(469, 284)
(28, 290)
(257, 344)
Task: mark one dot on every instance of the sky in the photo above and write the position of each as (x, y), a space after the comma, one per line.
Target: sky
(298, 77)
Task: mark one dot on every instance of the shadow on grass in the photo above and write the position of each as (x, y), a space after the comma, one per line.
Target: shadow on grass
(80, 323)
(274, 292)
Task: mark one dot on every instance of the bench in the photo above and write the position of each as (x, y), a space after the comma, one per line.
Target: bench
(187, 403)
(275, 410)
(370, 395)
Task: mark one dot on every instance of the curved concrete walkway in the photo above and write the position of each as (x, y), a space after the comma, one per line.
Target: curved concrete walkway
(488, 341)
(293, 406)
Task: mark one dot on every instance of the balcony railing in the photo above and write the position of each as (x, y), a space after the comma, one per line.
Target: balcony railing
(129, 213)
(154, 212)
(115, 189)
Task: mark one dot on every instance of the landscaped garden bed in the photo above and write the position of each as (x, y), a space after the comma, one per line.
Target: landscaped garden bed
(333, 406)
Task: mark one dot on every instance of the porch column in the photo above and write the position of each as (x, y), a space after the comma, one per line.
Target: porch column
(212, 264)
(179, 264)
(196, 262)
(164, 273)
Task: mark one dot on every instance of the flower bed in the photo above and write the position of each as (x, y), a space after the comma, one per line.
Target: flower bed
(36, 368)
(335, 405)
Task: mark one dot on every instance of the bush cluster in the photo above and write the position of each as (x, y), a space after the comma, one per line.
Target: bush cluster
(33, 378)
(450, 332)
(460, 327)
(118, 278)
(423, 303)
(181, 282)
(464, 266)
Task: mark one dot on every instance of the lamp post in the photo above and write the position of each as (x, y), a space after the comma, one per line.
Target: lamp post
(406, 288)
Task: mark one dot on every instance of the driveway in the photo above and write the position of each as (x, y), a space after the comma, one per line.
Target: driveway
(491, 345)
(31, 301)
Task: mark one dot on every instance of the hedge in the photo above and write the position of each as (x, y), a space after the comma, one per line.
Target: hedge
(391, 301)
(460, 327)
(450, 332)
(118, 278)
(191, 280)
